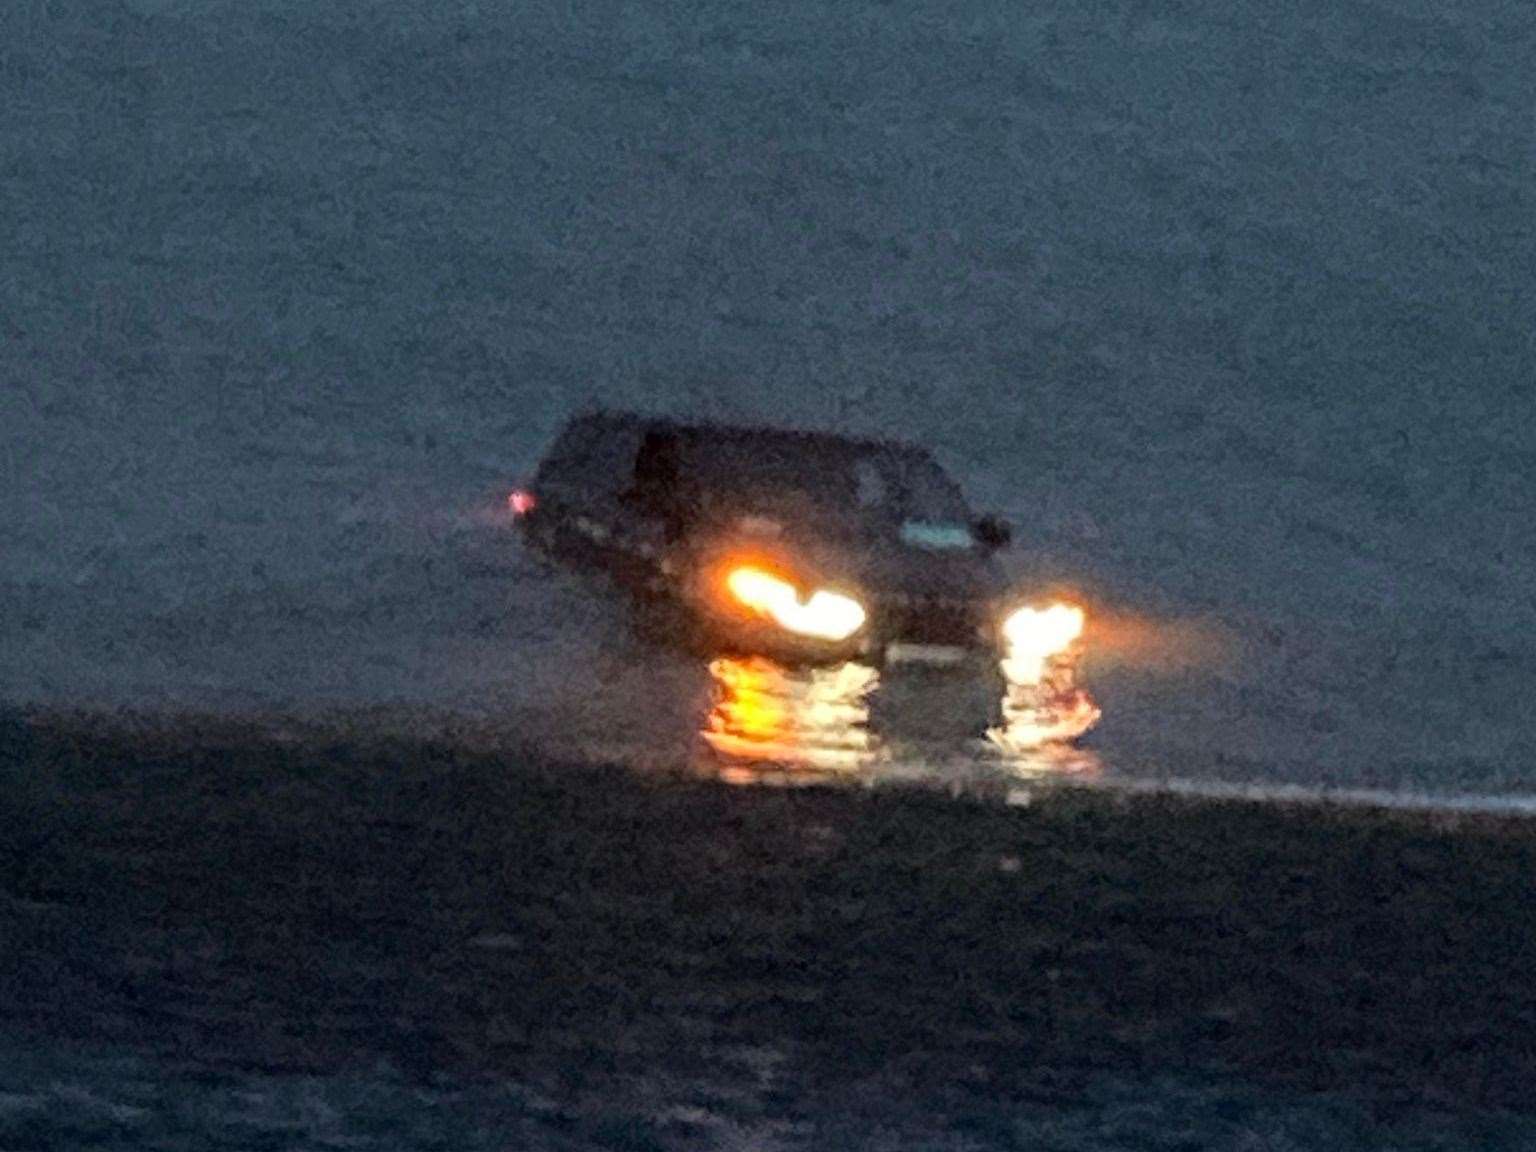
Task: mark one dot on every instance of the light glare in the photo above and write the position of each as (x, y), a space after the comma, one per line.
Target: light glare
(1036, 635)
(825, 616)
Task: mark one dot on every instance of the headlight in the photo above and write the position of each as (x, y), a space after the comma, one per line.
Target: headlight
(1035, 635)
(825, 615)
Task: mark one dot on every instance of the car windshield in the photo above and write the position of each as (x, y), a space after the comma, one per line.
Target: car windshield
(821, 475)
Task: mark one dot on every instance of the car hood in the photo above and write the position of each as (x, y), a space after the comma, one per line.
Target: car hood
(884, 567)
(891, 570)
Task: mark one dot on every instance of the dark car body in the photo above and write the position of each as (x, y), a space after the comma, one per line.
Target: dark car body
(663, 506)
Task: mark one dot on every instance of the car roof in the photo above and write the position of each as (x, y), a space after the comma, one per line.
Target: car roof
(762, 463)
(748, 436)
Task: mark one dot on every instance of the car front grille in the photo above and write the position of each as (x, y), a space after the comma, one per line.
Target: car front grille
(927, 620)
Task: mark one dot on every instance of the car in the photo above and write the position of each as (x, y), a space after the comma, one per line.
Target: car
(801, 545)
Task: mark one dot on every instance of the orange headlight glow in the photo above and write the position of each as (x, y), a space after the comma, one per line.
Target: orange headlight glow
(1036, 635)
(824, 616)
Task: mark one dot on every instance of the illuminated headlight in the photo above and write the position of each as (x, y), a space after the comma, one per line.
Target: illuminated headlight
(824, 615)
(1035, 635)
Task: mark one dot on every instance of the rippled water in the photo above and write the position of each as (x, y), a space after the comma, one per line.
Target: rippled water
(1231, 320)
(767, 720)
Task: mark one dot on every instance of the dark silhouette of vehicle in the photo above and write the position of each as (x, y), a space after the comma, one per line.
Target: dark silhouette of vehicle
(795, 544)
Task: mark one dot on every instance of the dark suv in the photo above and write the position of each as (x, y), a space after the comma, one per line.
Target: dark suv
(792, 544)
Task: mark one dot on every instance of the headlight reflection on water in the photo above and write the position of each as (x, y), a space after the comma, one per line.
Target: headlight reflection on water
(813, 718)
(1044, 716)
(1044, 707)
(769, 722)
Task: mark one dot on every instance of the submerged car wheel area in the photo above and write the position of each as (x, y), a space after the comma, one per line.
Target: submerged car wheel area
(808, 548)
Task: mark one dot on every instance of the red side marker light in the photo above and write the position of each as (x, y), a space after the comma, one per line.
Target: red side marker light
(521, 502)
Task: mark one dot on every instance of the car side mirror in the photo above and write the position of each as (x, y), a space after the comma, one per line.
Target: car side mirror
(994, 532)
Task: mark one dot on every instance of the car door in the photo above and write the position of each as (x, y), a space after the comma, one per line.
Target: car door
(635, 516)
(595, 521)
(568, 487)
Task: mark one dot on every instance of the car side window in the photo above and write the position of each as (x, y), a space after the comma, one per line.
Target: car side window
(612, 464)
(656, 464)
(567, 456)
(593, 456)
(664, 489)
